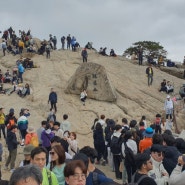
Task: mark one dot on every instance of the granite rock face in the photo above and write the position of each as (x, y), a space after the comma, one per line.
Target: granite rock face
(94, 79)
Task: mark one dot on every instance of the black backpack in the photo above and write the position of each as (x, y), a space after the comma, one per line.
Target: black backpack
(115, 145)
(129, 156)
(139, 180)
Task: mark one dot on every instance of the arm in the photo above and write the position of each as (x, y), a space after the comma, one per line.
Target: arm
(54, 179)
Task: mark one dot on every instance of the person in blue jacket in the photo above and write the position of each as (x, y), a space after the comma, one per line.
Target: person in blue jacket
(21, 71)
(53, 99)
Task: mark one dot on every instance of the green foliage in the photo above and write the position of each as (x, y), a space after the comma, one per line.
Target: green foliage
(148, 47)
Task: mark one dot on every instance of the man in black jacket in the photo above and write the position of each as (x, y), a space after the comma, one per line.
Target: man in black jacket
(12, 143)
(53, 99)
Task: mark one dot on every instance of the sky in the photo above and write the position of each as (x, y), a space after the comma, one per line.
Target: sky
(115, 24)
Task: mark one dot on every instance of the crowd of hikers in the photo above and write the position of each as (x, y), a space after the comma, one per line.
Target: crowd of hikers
(139, 152)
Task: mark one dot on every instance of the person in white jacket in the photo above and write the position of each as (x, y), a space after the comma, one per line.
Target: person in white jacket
(168, 107)
(177, 176)
(158, 173)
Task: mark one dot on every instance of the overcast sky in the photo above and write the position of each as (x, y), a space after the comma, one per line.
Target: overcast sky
(112, 23)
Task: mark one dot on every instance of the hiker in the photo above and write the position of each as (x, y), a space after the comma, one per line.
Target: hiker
(57, 130)
(38, 158)
(57, 163)
(22, 123)
(66, 125)
(140, 56)
(75, 172)
(53, 99)
(51, 116)
(158, 123)
(144, 165)
(73, 144)
(73, 42)
(7, 77)
(147, 141)
(1, 154)
(149, 72)
(169, 87)
(31, 137)
(10, 120)
(158, 173)
(27, 155)
(48, 49)
(68, 41)
(84, 55)
(21, 71)
(4, 47)
(143, 119)
(40, 130)
(54, 40)
(26, 175)
(63, 42)
(104, 52)
(115, 147)
(168, 107)
(112, 53)
(129, 157)
(83, 96)
(99, 143)
(12, 143)
(177, 175)
(163, 87)
(2, 122)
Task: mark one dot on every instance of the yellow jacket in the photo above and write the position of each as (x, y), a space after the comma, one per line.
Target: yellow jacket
(2, 119)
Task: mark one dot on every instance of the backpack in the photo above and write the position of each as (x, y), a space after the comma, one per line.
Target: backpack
(34, 140)
(129, 156)
(139, 180)
(11, 122)
(115, 145)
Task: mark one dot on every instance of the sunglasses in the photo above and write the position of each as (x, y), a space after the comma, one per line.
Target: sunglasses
(52, 153)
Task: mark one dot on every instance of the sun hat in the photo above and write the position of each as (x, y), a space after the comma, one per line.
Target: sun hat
(27, 149)
(149, 132)
(30, 130)
(168, 96)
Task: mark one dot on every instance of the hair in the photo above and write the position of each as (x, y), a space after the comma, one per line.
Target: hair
(82, 157)
(65, 116)
(25, 172)
(71, 166)
(168, 132)
(128, 135)
(13, 127)
(180, 144)
(38, 150)
(169, 139)
(102, 116)
(133, 123)
(62, 142)
(141, 159)
(98, 126)
(117, 127)
(56, 123)
(141, 124)
(157, 139)
(61, 156)
(48, 126)
(91, 153)
(124, 120)
(74, 134)
(67, 132)
(143, 117)
(43, 122)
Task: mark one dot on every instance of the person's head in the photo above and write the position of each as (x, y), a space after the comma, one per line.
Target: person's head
(13, 128)
(133, 123)
(168, 97)
(26, 175)
(50, 125)
(125, 121)
(149, 132)
(65, 116)
(43, 123)
(27, 152)
(72, 135)
(66, 134)
(118, 128)
(157, 139)
(56, 140)
(157, 152)
(180, 144)
(30, 130)
(102, 116)
(168, 140)
(11, 112)
(143, 162)
(75, 172)
(56, 125)
(57, 154)
(90, 152)
(1, 110)
(141, 124)
(143, 118)
(128, 135)
(38, 156)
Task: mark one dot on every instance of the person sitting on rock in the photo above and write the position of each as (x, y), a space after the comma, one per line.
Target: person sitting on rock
(104, 52)
(163, 86)
(169, 87)
(24, 91)
(8, 77)
(112, 53)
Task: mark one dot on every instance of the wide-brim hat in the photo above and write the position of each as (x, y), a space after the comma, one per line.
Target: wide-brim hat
(149, 132)
(168, 96)
(27, 149)
(30, 130)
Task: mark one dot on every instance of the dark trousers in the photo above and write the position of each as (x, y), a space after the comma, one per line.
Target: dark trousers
(23, 133)
(100, 148)
(11, 158)
(53, 105)
(20, 76)
(130, 171)
(47, 54)
(158, 128)
(2, 128)
(117, 160)
(4, 49)
(68, 45)
(167, 115)
(84, 59)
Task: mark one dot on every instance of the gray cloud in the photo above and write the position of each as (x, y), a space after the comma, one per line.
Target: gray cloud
(112, 23)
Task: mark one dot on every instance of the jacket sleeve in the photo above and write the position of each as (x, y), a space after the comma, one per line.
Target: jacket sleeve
(54, 179)
(177, 177)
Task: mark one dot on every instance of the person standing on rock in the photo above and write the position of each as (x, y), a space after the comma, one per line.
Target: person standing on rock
(150, 73)
(53, 99)
(168, 107)
(84, 55)
(83, 96)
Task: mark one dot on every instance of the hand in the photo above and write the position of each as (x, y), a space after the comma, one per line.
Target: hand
(180, 160)
(164, 174)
